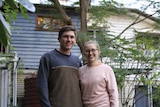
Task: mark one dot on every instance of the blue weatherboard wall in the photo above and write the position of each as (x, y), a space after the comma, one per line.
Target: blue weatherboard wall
(30, 44)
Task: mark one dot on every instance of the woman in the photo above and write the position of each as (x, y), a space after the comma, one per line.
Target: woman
(98, 82)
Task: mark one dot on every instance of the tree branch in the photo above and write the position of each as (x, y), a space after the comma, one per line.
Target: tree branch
(67, 19)
(136, 20)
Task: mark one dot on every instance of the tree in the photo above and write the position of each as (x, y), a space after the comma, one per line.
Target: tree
(117, 47)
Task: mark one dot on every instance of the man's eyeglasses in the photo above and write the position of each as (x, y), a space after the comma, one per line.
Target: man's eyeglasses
(92, 50)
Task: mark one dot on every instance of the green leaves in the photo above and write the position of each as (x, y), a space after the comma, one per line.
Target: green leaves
(4, 31)
(10, 9)
(11, 3)
(3, 35)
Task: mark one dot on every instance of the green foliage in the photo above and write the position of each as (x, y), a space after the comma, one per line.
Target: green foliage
(156, 93)
(105, 10)
(120, 74)
(11, 3)
(4, 37)
(157, 25)
(23, 11)
(9, 13)
(10, 10)
(128, 58)
(82, 36)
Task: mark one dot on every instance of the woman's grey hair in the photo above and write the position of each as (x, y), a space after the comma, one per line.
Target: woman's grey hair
(92, 42)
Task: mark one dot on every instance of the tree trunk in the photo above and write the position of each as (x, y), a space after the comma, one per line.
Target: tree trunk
(84, 5)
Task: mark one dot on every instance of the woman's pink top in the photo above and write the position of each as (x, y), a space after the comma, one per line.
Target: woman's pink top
(98, 86)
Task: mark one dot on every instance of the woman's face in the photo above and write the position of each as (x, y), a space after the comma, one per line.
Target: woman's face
(91, 52)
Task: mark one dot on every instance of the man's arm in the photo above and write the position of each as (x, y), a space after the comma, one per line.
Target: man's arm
(42, 82)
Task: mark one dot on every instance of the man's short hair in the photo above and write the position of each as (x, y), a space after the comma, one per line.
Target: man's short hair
(66, 28)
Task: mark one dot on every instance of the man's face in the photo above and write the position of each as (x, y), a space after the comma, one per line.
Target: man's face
(67, 40)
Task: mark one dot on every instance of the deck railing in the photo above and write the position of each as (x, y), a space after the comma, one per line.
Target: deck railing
(8, 80)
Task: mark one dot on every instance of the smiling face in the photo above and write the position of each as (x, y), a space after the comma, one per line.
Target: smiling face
(91, 52)
(67, 41)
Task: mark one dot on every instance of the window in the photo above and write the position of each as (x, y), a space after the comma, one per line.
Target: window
(48, 23)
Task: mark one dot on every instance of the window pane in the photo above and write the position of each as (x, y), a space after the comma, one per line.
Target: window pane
(43, 23)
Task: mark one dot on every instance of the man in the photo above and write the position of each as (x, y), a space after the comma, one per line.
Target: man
(57, 79)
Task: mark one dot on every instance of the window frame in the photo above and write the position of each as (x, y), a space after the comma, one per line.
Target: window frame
(51, 20)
